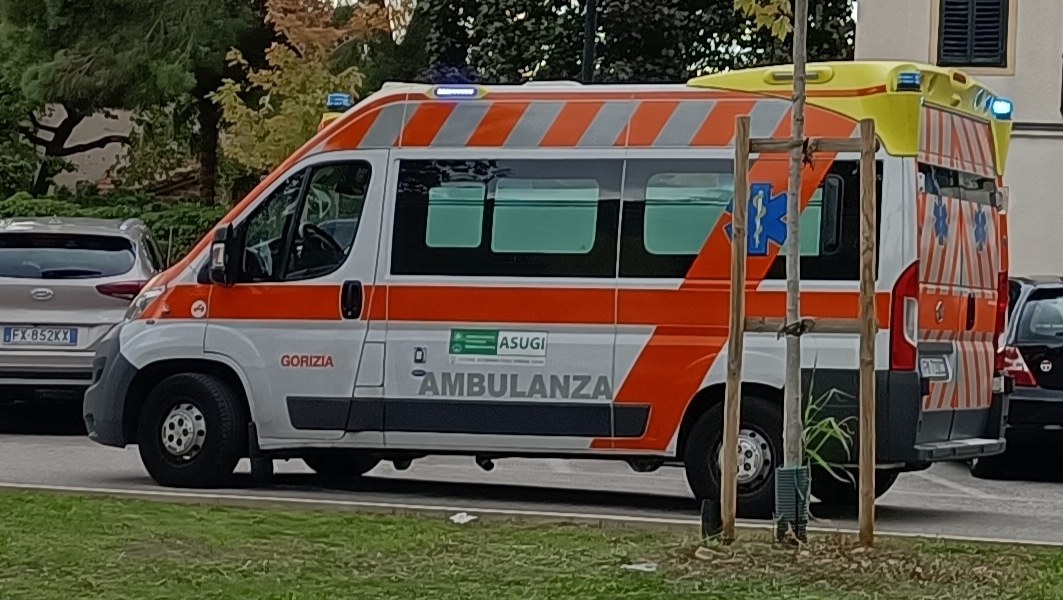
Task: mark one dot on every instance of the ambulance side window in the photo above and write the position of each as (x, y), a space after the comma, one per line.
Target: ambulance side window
(671, 207)
(507, 218)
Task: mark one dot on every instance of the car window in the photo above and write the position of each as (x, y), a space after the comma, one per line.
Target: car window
(307, 226)
(1042, 317)
(64, 256)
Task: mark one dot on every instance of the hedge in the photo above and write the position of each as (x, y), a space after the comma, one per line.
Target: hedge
(177, 226)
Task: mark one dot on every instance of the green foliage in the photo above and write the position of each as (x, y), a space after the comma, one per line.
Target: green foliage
(652, 40)
(161, 143)
(826, 436)
(287, 108)
(20, 160)
(176, 225)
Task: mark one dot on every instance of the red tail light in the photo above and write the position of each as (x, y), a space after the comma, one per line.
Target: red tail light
(904, 320)
(126, 290)
(1015, 367)
(1003, 295)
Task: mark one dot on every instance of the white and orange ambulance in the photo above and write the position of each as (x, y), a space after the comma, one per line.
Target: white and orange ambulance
(543, 271)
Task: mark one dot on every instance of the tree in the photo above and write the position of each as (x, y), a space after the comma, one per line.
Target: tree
(20, 160)
(655, 40)
(98, 55)
(831, 31)
(82, 58)
(279, 107)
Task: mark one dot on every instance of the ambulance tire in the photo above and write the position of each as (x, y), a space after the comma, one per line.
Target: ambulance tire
(208, 400)
(341, 464)
(991, 467)
(760, 416)
(830, 491)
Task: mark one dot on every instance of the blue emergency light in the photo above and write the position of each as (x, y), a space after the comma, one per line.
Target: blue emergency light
(339, 102)
(1002, 108)
(910, 81)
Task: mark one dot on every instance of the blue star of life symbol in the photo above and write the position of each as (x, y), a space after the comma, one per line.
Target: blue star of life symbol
(766, 219)
(980, 233)
(941, 221)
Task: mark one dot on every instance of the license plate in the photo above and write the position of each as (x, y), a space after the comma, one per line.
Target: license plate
(934, 367)
(40, 336)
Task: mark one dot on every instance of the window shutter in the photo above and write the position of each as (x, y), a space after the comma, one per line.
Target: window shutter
(973, 33)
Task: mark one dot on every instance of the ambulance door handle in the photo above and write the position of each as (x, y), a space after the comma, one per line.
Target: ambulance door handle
(971, 307)
(351, 300)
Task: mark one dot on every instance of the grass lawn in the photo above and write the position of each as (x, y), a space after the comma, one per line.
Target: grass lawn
(62, 547)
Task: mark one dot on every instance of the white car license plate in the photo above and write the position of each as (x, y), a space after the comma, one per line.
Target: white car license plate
(934, 367)
(40, 336)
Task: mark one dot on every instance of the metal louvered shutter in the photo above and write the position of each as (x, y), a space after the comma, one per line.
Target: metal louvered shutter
(973, 33)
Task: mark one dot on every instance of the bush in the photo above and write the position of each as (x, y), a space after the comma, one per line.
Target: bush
(177, 225)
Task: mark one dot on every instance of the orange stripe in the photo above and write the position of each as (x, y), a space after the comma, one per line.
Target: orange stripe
(425, 123)
(571, 124)
(558, 306)
(719, 127)
(276, 301)
(477, 304)
(647, 123)
(497, 124)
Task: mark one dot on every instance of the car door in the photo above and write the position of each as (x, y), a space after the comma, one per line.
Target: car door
(942, 301)
(979, 280)
(296, 320)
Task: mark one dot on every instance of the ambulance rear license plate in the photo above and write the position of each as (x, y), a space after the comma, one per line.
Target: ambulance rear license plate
(934, 367)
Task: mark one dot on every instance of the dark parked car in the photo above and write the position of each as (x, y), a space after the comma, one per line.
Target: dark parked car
(1033, 357)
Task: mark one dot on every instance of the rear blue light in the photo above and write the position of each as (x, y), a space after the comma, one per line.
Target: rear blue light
(910, 81)
(1002, 108)
(339, 102)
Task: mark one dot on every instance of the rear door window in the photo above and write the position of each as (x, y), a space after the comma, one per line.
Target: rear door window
(64, 256)
(1042, 317)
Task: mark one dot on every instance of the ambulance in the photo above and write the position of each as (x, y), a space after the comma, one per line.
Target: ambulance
(543, 270)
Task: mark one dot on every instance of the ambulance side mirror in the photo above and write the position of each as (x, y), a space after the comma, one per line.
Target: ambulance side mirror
(223, 261)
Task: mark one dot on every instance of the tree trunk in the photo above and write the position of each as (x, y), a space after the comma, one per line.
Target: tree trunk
(53, 148)
(209, 124)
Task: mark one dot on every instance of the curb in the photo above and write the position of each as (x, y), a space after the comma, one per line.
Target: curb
(598, 520)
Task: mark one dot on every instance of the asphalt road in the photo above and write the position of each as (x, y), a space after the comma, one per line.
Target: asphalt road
(46, 446)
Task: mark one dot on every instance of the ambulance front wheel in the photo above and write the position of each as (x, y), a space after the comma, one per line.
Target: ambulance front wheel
(192, 431)
(759, 453)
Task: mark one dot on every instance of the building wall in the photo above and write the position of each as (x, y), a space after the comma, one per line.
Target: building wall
(907, 30)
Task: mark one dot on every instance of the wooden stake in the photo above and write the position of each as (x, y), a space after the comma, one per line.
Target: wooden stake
(868, 241)
(735, 338)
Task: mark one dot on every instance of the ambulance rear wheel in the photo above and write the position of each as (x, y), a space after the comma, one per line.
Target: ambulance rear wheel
(192, 431)
(990, 467)
(760, 452)
(341, 463)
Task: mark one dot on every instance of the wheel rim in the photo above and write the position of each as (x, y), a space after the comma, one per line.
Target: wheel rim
(755, 458)
(183, 432)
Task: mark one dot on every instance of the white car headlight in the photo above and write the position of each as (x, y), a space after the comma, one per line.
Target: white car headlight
(142, 301)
